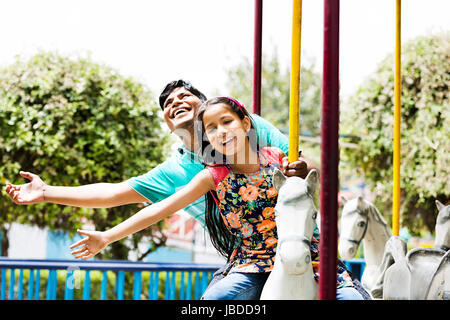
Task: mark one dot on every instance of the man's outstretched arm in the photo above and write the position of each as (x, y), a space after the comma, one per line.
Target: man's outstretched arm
(98, 195)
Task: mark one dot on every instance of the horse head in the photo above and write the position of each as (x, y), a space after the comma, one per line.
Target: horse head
(353, 226)
(295, 216)
(442, 227)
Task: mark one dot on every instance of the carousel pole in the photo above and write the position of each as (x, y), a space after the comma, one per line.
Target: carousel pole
(257, 53)
(397, 120)
(329, 153)
(294, 100)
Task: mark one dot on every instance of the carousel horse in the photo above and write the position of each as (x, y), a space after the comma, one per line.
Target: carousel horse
(361, 222)
(292, 276)
(442, 240)
(421, 273)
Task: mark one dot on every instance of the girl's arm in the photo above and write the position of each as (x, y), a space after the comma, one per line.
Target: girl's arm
(96, 241)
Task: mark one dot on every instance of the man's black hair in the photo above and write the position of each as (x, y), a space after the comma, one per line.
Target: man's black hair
(176, 84)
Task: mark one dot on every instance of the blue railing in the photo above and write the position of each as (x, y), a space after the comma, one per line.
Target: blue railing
(112, 279)
(356, 267)
(169, 281)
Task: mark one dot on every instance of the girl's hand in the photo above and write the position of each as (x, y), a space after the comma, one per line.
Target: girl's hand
(88, 247)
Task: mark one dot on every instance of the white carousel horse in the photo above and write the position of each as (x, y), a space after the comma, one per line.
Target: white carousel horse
(421, 273)
(361, 221)
(292, 276)
(439, 288)
(442, 239)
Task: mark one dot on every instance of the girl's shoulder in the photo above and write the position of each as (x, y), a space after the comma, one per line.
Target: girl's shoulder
(273, 154)
(218, 172)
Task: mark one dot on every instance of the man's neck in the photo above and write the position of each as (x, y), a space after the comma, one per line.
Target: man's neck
(187, 137)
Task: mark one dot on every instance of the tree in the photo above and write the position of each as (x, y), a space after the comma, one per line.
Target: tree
(425, 130)
(75, 122)
(275, 92)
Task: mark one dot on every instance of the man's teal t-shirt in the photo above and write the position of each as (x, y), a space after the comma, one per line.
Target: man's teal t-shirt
(177, 171)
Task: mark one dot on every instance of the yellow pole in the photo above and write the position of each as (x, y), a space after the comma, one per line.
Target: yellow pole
(294, 102)
(397, 119)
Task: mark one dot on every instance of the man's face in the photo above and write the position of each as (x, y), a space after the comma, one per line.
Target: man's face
(180, 109)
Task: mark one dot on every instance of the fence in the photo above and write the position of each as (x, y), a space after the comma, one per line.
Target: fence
(108, 280)
(356, 266)
(112, 280)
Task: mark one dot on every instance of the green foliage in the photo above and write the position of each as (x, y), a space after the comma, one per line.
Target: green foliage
(74, 122)
(425, 130)
(275, 90)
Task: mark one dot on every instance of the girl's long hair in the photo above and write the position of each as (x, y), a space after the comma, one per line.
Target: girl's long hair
(221, 237)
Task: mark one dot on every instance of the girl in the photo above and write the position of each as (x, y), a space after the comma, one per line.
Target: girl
(238, 181)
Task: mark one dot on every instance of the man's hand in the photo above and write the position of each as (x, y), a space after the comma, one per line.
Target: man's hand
(297, 168)
(88, 247)
(29, 193)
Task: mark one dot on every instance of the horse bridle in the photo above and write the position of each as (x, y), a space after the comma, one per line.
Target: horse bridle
(294, 237)
(357, 242)
(443, 247)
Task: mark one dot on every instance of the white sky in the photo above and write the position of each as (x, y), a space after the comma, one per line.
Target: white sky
(161, 40)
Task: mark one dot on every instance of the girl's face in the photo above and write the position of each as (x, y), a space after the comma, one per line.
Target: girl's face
(226, 132)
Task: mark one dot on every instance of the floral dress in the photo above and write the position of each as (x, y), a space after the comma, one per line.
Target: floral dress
(246, 203)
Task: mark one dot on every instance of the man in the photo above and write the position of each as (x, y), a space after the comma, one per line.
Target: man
(179, 102)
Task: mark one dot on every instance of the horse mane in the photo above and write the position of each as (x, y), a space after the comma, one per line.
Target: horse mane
(376, 214)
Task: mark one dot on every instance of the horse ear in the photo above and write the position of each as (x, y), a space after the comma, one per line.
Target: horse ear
(278, 179)
(439, 205)
(360, 204)
(312, 179)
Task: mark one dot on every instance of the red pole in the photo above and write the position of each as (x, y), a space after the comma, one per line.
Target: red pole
(329, 153)
(257, 58)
